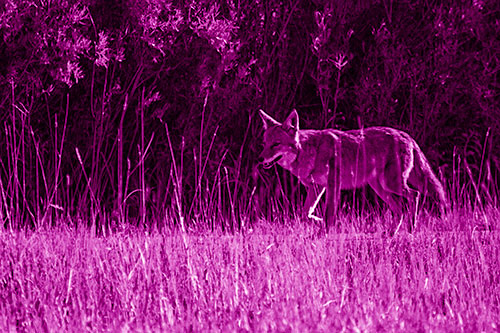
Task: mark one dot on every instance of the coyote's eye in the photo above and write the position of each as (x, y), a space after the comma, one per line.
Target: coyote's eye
(274, 145)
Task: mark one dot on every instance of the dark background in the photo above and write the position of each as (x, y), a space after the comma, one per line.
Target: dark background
(87, 89)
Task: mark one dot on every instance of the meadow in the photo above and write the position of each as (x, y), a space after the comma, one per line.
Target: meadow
(273, 276)
(131, 199)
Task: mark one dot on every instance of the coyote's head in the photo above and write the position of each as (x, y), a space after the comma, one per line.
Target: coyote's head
(281, 140)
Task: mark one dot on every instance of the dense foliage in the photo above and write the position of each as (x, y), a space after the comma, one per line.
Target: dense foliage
(98, 98)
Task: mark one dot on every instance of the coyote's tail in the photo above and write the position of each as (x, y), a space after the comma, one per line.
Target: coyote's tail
(431, 182)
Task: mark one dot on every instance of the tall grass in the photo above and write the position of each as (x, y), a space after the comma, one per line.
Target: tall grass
(269, 273)
(273, 277)
(241, 270)
(229, 259)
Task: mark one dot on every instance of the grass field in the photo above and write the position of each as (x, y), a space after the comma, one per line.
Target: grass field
(272, 277)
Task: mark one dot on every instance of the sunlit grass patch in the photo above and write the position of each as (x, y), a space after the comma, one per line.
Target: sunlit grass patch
(269, 277)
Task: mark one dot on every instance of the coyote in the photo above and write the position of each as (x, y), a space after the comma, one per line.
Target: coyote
(387, 159)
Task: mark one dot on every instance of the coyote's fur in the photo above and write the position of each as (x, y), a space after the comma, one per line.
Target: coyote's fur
(387, 159)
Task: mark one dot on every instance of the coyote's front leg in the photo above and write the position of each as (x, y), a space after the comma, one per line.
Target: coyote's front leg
(312, 201)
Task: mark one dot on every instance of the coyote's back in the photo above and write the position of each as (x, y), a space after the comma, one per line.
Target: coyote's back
(386, 159)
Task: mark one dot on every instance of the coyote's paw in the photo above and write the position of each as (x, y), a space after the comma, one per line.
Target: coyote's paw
(311, 215)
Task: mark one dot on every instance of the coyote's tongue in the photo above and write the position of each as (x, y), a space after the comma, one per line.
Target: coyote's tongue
(268, 165)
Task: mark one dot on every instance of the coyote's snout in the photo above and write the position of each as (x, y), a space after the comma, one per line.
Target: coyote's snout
(386, 159)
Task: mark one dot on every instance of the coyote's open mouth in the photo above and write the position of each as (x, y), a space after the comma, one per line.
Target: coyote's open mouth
(268, 165)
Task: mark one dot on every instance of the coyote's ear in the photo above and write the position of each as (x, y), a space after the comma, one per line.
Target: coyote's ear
(292, 121)
(268, 120)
